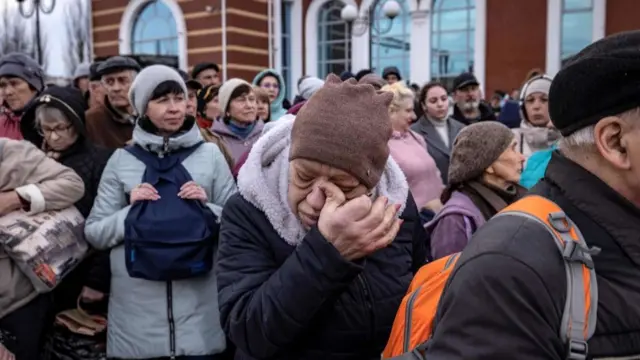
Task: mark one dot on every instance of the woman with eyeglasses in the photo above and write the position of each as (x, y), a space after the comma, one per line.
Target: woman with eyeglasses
(21, 79)
(238, 126)
(55, 123)
(273, 83)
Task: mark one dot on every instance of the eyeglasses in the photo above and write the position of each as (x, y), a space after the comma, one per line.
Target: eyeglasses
(60, 130)
(269, 86)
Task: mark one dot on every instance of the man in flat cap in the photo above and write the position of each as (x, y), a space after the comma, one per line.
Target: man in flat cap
(111, 124)
(506, 297)
(469, 107)
(206, 73)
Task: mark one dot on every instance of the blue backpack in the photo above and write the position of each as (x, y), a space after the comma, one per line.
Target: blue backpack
(170, 238)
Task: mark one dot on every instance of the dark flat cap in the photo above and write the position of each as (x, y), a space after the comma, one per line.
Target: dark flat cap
(198, 68)
(464, 79)
(117, 63)
(601, 80)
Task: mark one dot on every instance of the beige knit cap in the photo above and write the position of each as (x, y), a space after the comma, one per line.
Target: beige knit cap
(224, 94)
(345, 125)
(476, 147)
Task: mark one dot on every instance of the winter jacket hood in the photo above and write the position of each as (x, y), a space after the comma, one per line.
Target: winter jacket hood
(264, 181)
(277, 109)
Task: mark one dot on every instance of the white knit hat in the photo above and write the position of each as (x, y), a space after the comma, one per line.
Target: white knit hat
(224, 94)
(146, 83)
(308, 86)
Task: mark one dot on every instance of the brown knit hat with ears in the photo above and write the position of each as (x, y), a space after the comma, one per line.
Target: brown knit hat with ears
(476, 147)
(345, 125)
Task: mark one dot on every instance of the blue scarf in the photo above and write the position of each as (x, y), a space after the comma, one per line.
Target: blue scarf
(240, 130)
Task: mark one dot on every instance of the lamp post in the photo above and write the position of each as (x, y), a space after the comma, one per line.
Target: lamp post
(391, 9)
(36, 7)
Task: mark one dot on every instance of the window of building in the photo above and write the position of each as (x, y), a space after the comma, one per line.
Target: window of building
(452, 39)
(391, 39)
(155, 31)
(286, 45)
(577, 27)
(334, 40)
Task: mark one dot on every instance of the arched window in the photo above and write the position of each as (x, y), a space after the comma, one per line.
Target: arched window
(452, 39)
(334, 40)
(391, 39)
(155, 31)
(577, 27)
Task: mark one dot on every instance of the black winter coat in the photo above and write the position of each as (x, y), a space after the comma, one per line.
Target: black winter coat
(88, 161)
(278, 301)
(506, 294)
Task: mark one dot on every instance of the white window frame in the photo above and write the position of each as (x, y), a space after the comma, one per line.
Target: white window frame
(554, 31)
(128, 20)
(295, 41)
(311, 36)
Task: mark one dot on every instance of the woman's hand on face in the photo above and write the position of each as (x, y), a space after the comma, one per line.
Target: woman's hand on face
(6, 354)
(357, 227)
(143, 192)
(192, 191)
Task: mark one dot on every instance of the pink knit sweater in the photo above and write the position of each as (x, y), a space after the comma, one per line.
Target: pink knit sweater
(409, 150)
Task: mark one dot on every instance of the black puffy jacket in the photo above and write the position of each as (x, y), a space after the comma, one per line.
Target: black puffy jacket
(505, 297)
(307, 302)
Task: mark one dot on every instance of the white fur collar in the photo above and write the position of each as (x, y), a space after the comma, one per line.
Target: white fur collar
(264, 180)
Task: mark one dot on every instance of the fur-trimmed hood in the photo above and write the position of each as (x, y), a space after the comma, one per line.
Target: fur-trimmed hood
(264, 181)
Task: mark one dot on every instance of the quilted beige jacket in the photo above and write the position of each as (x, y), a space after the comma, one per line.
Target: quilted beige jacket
(47, 185)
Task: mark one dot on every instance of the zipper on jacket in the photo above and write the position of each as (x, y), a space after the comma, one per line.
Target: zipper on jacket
(172, 326)
(408, 312)
(368, 303)
(165, 146)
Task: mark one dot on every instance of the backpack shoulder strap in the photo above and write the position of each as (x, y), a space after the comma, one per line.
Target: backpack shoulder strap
(140, 153)
(151, 160)
(184, 153)
(580, 311)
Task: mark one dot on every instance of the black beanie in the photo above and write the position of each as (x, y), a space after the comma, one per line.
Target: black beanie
(601, 80)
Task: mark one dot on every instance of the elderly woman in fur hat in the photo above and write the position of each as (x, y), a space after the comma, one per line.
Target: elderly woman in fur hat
(319, 246)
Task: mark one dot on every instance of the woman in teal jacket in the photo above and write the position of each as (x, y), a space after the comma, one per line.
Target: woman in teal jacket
(536, 167)
(273, 83)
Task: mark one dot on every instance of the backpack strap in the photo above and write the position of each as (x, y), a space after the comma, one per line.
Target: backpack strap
(149, 159)
(580, 311)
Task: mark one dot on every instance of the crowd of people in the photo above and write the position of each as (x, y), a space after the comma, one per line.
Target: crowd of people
(221, 221)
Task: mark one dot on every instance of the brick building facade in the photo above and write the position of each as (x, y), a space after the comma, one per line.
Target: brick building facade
(500, 40)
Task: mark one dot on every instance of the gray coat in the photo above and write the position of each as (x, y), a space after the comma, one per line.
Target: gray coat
(138, 324)
(440, 152)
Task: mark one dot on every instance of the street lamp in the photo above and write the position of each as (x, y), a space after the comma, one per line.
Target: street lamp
(36, 7)
(391, 9)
